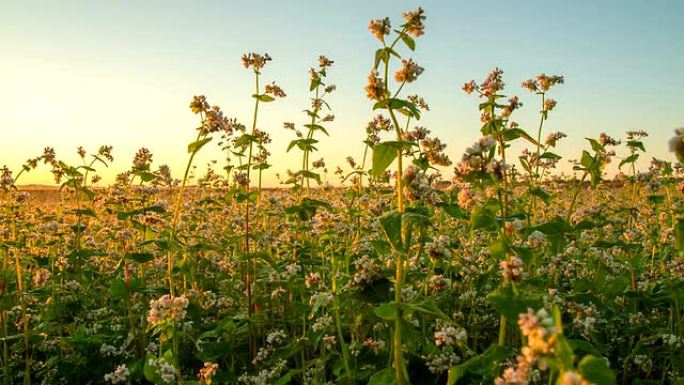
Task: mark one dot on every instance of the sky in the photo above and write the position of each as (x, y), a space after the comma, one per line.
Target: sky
(122, 73)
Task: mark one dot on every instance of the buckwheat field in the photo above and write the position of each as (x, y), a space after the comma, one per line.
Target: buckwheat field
(408, 264)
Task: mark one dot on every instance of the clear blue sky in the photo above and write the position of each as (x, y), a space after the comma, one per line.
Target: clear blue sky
(123, 72)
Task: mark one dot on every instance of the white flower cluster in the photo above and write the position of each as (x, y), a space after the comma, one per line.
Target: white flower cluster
(439, 248)
(447, 334)
(167, 309)
(440, 363)
(366, 271)
(118, 376)
(536, 238)
(273, 339)
(673, 341)
(322, 323)
(291, 271)
(264, 376)
(165, 370)
(109, 350)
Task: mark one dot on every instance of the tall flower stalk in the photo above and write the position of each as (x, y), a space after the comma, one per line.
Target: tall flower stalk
(592, 165)
(540, 86)
(247, 143)
(211, 121)
(498, 129)
(306, 142)
(378, 90)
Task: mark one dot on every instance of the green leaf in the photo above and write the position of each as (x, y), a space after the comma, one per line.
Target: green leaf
(515, 133)
(404, 106)
(565, 356)
(86, 253)
(555, 230)
(483, 217)
(195, 146)
(150, 372)
(250, 196)
(392, 103)
(453, 210)
(287, 378)
(595, 145)
(428, 307)
(86, 212)
(317, 127)
(498, 249)
(399, 227)
(656, 199)
(636, 144)
(539, 192)
(482, 364)
(383, 377)
(292, 144)
(304, 144)
(679, 235)
(139, 257)
(583, 347)
(244, 140)
(383, 55)
(380, 56)
(384, 154)
(307, 208)
(391, 224)
(595, 371)
(387, 311)
(146, 176)
(408, 40)
(588, 161)
(315, 83)
(550, 155)
(630, 159)
(117, 288)
(263, 98)
(308, 175)
(507, 303)
(126, 214)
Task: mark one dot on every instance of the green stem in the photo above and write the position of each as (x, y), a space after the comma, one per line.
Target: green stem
(399, 276)
(22, 301)
(539, 134)
(571, 209)
(249, 275)
(176, 215)
(338, 322)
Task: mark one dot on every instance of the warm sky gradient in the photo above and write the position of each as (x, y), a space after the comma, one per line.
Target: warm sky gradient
(123, 72)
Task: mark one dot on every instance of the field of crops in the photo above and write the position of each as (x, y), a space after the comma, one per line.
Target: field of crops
(493, 272)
